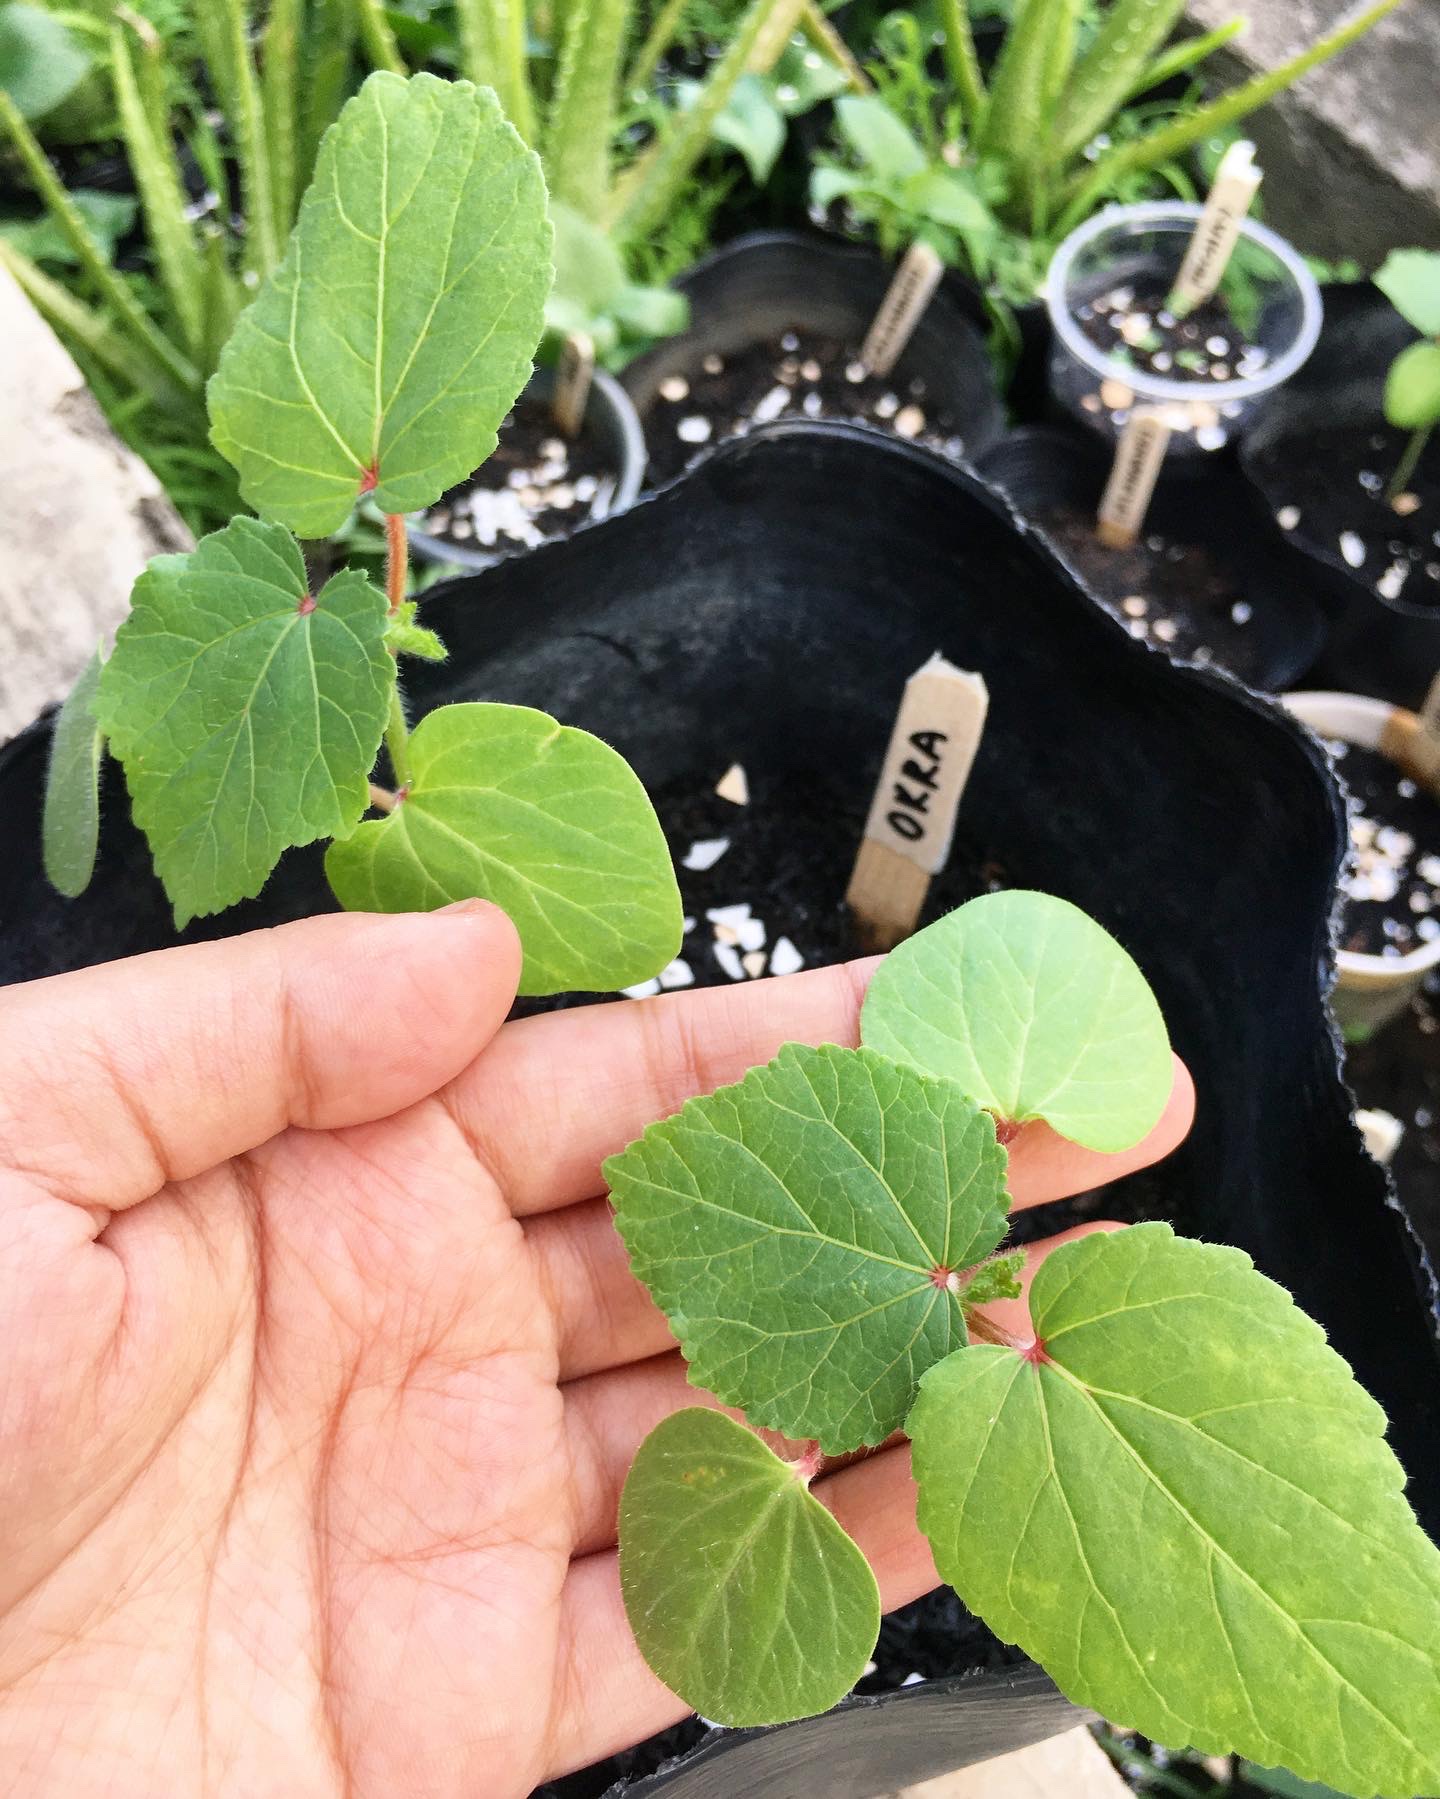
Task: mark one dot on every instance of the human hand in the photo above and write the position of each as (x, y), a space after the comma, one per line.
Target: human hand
(323, 1364)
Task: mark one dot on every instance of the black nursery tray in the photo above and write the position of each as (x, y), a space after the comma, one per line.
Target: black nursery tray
(1318, 455)
(1205, 582)
(767, 610)
(750, 296)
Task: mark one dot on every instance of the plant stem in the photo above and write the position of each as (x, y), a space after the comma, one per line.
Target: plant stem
(397, 740)
(382, 799)
(397, 560)
(982, 1330)
(1405, 468)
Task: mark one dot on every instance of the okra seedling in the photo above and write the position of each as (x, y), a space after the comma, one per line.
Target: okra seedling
(1173, 1494)
(248, 709)
(1410, 281)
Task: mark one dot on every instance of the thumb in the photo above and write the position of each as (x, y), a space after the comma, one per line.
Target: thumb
(117, 1079)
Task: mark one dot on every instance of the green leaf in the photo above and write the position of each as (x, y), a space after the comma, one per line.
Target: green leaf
(398, 330)
(752, 123)
(1186, 1510)
(1412, 387)
(406, 638)
(107, 217)
(1035, 1011)
(744, 1594)
(247, 714)
(947, 198)
(41, 64)
(878, 138)
(70, 829)
(798, 1228)
(548, 822)
(1130, 34)
(1410, 281)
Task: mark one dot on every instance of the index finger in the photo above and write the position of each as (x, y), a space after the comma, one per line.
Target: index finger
(551, 1097)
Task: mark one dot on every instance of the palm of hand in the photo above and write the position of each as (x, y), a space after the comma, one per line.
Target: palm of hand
(312, 1451)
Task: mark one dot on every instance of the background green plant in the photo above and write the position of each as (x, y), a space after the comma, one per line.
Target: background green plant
(994, 169)
(1410, 280)
(217, 108)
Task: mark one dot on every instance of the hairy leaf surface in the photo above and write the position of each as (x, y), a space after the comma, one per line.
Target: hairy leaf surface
(1035, 1011)
(548, 822)
(70, 830)
(744, 1594)
(393, 338)
(1187, 1512)
(791, 1228)
(247, 714)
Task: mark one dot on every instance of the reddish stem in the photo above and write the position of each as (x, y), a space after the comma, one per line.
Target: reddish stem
(397, 563)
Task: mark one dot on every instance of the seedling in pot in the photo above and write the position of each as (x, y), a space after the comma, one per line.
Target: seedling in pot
(1169, 1491)
(1410, 281)
(248, 709)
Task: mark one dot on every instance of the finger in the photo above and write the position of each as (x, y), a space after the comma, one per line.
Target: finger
(607, 1318)
(608, 1697)
(604, 1314)
(1044, 1166)
(600, 1074)
(117, 1079)
(608, 1416)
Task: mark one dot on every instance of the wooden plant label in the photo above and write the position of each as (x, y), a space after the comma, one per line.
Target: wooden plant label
(912, 816)
(1136, 469)
(1412, 739)
(1217, 229)
(903, 307)
(573, 375)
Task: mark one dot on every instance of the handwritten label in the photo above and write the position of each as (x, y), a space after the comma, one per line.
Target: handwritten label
(573, 375)
(912, 815)
(1213, 240)
(906, 298)
(1136, 469)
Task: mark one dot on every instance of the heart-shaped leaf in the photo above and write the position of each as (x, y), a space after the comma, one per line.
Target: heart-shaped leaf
(247, 713)
(390, 343)
(1412, 387)
(1182, 1505)
(548, 822)
(1035, 1011)
(70, 830)
(805, 1231)
(744, 1594)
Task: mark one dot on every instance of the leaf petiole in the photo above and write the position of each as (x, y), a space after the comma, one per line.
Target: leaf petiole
(397, 741)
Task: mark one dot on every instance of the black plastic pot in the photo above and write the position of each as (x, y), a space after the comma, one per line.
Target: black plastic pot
(1389, 648)
(768, 609)
(611, 417)
(758, 286)
(1042, 466)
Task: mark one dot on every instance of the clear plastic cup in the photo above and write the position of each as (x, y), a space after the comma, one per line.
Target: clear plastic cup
(1142, 247)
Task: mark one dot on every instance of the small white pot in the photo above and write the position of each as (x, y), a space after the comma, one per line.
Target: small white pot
(1369, 990)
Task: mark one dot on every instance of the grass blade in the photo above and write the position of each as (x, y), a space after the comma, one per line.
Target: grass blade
(582, 115)
(329, 51)
(964, 65)
(113, 291)
(652, 186)
(378, 39)
(1182, 134)
(1132, 32)
(657, 41)
(93, 333)
(279, 72)
(162, 196)
(492, 37)
(1185, 55)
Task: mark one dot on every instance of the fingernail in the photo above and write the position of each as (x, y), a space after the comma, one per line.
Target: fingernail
(473, 904)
